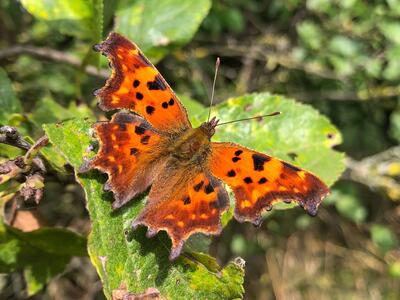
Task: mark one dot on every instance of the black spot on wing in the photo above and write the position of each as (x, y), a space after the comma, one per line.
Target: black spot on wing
(198, 186)
(136, 83)
(259, 160)
(186, 200)
(262, 180)
(139, 130)
(238, 152)
(290, 167)
(235, 159)
(248, 180)
(150, 109)
(171, 102)
(164, 105)
(208, 189)
(134, 151)
(139, 96)
(145, 139)
(231, 173)
(157, 84)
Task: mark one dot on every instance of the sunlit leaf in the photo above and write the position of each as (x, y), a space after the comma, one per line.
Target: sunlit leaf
(83, 18)
(155, 25)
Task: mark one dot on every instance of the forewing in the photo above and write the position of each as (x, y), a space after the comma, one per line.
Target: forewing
(129, 154)
(259, 180)
(136, 85)
(184, 201)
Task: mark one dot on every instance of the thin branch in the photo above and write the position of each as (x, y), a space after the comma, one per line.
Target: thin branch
(380, 171)
(266, 54)
(53, 55)
(371, 93)
(246, 72)
(10, 136)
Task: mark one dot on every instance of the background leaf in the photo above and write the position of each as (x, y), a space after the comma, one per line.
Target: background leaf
(9, 103)
(42, 253)
(155, 25)
(49, 111)
(82, 18)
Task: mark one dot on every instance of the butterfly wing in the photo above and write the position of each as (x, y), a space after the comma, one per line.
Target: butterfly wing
(128, 153)
(136, 85)
(258, 181)
(184, 201)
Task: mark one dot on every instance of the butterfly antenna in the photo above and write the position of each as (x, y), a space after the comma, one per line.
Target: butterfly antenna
(252, 118)
(213, 87)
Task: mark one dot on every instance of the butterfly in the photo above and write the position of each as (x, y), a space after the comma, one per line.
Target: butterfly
(156, 147)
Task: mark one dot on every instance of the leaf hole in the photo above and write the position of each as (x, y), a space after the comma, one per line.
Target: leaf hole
(292, 155)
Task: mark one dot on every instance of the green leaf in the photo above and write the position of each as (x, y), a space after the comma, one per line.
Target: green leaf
(98, 7)
(98, 19)
(49, 111)
(42, 253)
(154, 24)
(299, 135)
(83, 18)
(9, 103)
(121, 256)
(193, 107)
(70, 17)
(391, 30)
(53, 158)
(348, 204)
(343, 45)
(311, 34)
(394, 6)
(383, 237)
(395, 124)
(394, 269)
(322, 6)
(58, 9)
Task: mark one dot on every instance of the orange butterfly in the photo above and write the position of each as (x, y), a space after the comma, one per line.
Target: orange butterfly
(156, 146)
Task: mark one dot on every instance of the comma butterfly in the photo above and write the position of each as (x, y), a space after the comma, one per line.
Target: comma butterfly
(156, 146)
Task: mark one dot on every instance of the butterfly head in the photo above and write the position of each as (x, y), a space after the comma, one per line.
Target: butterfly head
(209, 126)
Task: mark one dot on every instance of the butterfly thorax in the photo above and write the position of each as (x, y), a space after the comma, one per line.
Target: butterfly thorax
(193, 145)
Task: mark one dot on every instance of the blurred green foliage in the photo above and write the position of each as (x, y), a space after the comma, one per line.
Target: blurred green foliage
(340, 57)
(41, 254)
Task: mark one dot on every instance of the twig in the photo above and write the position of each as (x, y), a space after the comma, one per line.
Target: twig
(246, 72)
(378, 171)
(10, 136)
(54, 55)
(30, 155)
(265, 53)
(372, 93)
